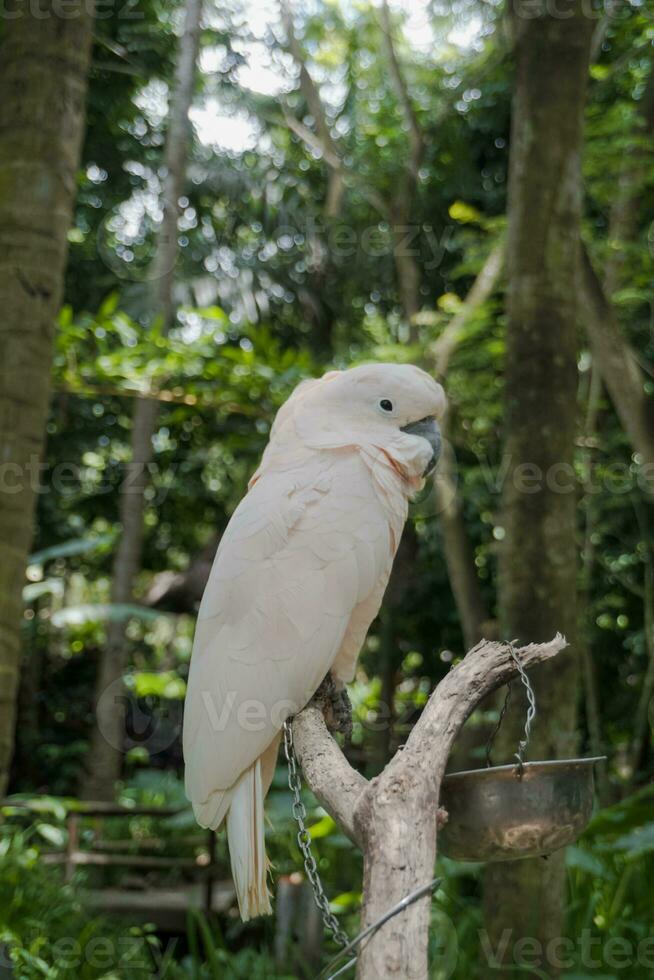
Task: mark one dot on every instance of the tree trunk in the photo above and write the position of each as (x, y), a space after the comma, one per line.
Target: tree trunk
(105, 754)
(399, 857)
(538, 562)
(407, 270)
(44, 60)
(107, 739)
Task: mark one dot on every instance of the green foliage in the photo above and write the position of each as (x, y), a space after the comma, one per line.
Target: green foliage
(46, 929)
(210, 958)
(270, 291)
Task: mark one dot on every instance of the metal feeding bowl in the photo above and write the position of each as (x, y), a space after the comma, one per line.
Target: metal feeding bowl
(517, 811)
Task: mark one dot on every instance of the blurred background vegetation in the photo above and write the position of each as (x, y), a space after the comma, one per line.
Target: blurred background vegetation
(315, 135)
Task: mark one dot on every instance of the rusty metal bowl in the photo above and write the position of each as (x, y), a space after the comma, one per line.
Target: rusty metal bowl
(502, 814)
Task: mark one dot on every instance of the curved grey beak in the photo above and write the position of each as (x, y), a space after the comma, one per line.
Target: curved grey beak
(430, 430)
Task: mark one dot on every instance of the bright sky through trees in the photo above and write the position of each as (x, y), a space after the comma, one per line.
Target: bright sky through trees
(266, 75)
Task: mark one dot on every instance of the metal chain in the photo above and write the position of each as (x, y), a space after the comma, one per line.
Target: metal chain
(304, 840)
(531, 714)
(531, 709)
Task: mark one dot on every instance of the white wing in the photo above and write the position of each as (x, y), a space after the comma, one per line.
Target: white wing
(303, 551)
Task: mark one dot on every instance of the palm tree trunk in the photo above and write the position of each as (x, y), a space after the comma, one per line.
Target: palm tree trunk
(44, 61)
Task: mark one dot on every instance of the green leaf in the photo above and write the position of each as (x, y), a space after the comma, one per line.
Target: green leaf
(49, 586)
(323, 828)
(37, 804)
(54, 835)
(76, 546)
(110, 305)
(464, 213)
(638, 842)
(583, 860)
(166, 684)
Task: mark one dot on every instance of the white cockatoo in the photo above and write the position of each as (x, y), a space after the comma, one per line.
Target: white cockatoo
(298, 579)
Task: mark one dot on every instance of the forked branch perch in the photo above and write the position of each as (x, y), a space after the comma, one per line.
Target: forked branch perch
(393, 818)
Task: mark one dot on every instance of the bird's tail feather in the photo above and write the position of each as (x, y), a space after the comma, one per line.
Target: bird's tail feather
(247, 849)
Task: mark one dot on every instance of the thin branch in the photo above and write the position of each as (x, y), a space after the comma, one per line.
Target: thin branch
(409, 273)
(84, 390)
(459, 552)
(621, 578)
(480, 292)
(312, 141)
(416, 138)
(588, 556)
(599, 36)
(317, 110)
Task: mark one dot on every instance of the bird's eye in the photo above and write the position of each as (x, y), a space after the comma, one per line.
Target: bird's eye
(386, 405)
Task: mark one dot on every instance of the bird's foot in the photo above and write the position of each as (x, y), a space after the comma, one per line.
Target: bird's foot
(336, 706)
(442, 816)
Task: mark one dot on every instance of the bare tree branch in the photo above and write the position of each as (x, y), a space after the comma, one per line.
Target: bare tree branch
(393, 818)
(416, 138)
(408, 271)
(311, 94)
(329, 155)
(480, 292)
(313, 142)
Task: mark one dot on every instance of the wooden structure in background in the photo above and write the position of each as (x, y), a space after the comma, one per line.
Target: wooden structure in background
(140, 900)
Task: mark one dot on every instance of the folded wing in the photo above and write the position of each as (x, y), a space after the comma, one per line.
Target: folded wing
(303, 551)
